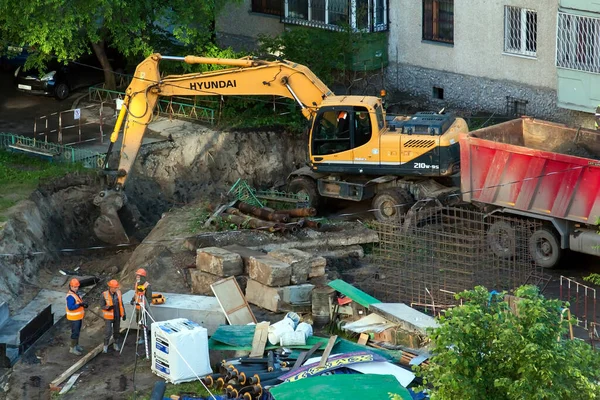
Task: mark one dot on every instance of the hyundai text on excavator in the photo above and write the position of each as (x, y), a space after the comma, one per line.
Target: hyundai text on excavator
(355, 151)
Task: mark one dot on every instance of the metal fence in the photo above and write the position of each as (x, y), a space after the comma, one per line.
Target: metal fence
(175, 106)
(51, 151)
(582, 302)
(437, 252)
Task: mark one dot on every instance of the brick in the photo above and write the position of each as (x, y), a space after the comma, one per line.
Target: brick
(219, 262)
(269, 271)
(272, 299)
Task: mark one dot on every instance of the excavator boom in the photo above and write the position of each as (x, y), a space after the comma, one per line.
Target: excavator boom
(243, 77)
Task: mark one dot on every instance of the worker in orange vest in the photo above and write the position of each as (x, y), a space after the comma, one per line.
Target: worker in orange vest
(113, 310)
(75, 313)
(142, 296)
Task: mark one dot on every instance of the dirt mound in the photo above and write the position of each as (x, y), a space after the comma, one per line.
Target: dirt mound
(576, 149)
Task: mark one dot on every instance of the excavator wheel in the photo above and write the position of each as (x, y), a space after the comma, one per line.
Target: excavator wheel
(390, 205)
(308, 187)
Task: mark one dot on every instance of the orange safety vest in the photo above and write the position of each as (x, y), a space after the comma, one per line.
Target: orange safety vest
(110, 314)
(78, 314)
(140, 295)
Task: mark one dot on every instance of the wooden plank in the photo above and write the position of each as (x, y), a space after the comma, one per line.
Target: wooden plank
(363, 339)
(75, 367)
(327, 350)
(69, 384)
(259, 342)
(232, 302)
(305, 355)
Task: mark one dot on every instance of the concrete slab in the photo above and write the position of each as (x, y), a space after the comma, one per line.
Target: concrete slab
(203, 310)
(406, 317)
(41, 301)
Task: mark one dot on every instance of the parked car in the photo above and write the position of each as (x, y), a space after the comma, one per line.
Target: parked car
(14, 57)
(60, 80)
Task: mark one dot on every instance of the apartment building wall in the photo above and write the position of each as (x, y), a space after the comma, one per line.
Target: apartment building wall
(475, 72)
(237, 26)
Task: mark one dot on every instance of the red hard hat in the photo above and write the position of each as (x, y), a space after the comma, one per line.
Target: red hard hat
(74, 282)
(141, 272)
(113, 283)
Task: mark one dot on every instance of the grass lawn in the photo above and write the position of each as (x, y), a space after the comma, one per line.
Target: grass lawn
(20, 175)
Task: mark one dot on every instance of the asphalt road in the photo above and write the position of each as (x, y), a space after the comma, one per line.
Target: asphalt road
(18, 111)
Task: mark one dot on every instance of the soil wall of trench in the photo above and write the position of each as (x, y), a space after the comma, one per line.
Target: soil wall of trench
(199, 163)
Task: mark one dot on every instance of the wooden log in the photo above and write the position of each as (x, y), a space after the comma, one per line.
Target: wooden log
(54, 385)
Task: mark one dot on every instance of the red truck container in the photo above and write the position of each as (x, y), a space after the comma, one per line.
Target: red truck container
(541, 170)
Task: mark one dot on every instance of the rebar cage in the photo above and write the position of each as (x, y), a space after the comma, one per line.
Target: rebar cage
(430, 255)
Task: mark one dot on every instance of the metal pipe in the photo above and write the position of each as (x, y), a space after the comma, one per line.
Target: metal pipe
(312, 224)
(262, 213)
(300, 212)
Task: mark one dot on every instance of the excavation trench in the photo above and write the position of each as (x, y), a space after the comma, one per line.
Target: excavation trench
(198, 165)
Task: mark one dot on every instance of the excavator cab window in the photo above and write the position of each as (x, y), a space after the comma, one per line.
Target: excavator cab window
(341, 130)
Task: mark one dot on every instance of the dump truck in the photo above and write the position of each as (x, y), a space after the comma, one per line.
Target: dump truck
(538, 170)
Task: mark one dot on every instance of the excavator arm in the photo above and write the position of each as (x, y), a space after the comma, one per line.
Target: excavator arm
(244, 77)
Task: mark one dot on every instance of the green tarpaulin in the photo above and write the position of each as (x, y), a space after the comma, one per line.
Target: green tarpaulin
(341, 387)
(239, 337)
(353, 293)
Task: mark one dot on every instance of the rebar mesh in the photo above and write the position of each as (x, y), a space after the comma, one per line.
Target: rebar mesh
(578, 43)
(520, 31)
(433, 254)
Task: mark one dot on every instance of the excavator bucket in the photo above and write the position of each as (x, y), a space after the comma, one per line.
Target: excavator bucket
(108, 226)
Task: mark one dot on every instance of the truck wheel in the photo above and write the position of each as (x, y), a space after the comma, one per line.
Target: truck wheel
(390, 205)
(544, 248)
(502, 239)
(308, 187)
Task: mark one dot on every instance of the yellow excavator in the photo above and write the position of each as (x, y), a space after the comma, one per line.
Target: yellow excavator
(356, 152)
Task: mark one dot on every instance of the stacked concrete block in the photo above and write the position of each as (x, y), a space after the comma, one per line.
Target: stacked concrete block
(278, 298)
(212, 265)
(269, 271)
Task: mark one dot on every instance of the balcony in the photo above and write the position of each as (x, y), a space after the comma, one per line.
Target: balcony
(578, 57)
(337, 15)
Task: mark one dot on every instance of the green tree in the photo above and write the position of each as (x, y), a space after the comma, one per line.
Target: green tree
(66, 29)
(483, 350)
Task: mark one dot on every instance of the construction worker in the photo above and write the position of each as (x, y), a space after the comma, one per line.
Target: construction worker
(142, 297)
(113, 310)
(598, 118)
(75, 313)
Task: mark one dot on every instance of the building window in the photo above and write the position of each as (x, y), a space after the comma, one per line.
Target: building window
(272, 7)
(578, 43)
(360, 15)
(438, 20)
(520, 31)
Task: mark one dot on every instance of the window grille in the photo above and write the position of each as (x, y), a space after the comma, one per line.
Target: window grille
(516, 107)
(272, 7)
(438, 20)
(520, 31)
(578, 43)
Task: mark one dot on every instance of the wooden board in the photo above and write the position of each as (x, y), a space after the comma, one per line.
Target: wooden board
(363, 339)
(327, 350)
(260, 340)
(75, 367)
(232, 302)
(69, 384)
(305, 355)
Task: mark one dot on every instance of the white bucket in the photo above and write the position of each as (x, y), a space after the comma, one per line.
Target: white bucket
(293, 339)
(278, 329)
(306, 329)
(294, 317)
